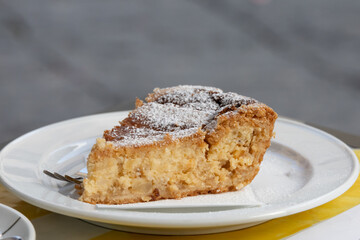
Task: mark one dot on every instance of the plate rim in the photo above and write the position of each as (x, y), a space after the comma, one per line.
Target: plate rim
(29, 225)
(164, 223)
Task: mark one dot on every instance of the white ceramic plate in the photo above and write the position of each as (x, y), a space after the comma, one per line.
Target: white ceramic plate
(13, 223)
(303, 168)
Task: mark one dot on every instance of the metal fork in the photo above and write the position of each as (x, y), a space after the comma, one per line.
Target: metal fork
(65, 178)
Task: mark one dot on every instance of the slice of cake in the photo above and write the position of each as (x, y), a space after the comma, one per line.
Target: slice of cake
(182, 141)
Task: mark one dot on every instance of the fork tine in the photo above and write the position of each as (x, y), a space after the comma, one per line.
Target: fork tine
(60, 177)
(50, 174)
(55, 175)
(74, 180)
(65, 178)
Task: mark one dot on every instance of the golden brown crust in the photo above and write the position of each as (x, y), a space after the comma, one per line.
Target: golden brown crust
(224, 155)
(252, 114)
(138, 103)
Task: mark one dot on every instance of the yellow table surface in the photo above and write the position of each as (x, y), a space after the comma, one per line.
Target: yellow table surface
(54, 226)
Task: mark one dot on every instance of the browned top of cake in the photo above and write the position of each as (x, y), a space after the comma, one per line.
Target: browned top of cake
(177, 112)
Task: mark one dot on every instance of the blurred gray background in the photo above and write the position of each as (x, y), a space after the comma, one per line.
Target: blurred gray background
(63, 59)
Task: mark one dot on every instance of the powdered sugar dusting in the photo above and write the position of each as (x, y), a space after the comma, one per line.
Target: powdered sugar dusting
(230, 98)
(169, 117)
(177, 112)
(135, 136)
